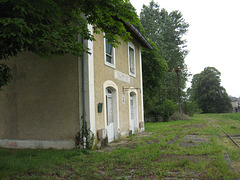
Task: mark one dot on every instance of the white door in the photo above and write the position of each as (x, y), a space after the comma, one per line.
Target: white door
(109, 109)
(132, 113)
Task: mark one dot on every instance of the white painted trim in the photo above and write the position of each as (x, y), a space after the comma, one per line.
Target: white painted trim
(91, 97)
(130, 44)
(37, 144)
(141, 81)
(111, 84)
(114, 57)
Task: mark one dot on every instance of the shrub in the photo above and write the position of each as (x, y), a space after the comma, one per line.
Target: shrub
(178, 116)
(167, 109)
(190, 107)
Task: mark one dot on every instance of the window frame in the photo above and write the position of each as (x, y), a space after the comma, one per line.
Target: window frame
(131, 45)
(113, 64)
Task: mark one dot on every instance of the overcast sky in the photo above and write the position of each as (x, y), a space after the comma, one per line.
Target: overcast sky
(213, 36)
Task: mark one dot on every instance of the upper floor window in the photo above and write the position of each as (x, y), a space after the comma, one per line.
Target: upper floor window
(131, 59)
(109, 54)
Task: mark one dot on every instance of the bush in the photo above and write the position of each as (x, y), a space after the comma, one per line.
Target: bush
(190, 108)
(178, 116)
(167, 109)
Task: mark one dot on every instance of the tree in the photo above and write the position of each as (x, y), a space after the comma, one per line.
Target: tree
(189, 105)
(153, 68)
(167, 30)
(206, 90)
(168, 108)
(50, 27)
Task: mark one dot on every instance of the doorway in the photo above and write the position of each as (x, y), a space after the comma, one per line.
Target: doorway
(133, 112)
(110, 114)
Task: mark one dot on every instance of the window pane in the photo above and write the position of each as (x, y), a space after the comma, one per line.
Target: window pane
(109, 52)
(108, 48)
(131, 107)
(108, 59)
(131, 60)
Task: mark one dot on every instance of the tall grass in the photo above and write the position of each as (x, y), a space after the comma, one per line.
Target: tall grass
(165, 152)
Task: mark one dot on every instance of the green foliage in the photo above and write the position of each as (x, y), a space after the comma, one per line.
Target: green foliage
(53, 27)
(49, 27)
(167, 109)
(5, 75)
(210, 96)
(84, 141)
(177, 116)
(166, 30)
(153, 68)
(190, 107)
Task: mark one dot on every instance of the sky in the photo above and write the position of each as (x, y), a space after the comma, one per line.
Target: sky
(213, 37)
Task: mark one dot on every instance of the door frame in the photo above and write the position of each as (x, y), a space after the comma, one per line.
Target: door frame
(110, 114)
(134, 125)
(113, 87)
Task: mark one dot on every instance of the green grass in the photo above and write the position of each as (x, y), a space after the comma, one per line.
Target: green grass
(167, 152)
(31, 161)
(229, 122)
(228, 116)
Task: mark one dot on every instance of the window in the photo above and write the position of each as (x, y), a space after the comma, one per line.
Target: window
(109, 54)
(131, 60)
(131, 57)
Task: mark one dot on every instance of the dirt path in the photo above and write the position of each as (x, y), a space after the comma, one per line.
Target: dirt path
(129, 142)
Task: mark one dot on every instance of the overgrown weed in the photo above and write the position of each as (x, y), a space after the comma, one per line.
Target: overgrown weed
(165, 152)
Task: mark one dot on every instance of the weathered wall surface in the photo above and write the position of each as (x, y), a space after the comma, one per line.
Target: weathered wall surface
(104, 73)
(41, 102)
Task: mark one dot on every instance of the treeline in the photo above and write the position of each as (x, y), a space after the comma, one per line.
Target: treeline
(51, 29)
(165, 72)
(162, 65)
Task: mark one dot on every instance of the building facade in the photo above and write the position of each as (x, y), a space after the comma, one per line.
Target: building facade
(45, 104)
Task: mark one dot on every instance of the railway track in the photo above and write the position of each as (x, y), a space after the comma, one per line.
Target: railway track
(235, 138)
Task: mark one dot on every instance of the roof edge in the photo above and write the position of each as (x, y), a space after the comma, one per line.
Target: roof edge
(136, 34)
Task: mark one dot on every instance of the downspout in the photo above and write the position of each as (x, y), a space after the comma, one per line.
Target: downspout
(83, 128)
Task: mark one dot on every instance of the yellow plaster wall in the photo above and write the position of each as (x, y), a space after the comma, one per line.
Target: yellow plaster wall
(41, 102)
(104, 73)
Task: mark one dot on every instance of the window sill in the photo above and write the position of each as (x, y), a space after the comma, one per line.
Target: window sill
(110, 65)
(133, 75)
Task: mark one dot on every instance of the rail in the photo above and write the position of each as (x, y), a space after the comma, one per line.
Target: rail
(237, 144)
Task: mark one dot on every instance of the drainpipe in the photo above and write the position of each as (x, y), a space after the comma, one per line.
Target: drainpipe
(83, 128)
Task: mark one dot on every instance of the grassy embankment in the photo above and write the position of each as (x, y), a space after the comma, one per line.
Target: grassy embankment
(183, 149)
